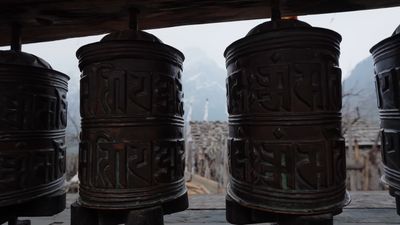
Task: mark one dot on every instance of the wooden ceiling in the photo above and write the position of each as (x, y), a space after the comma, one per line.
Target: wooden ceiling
(45, 20)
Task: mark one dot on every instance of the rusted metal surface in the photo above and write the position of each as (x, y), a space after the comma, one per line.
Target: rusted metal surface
(386, 55)
(286, 152)
(132, 147)
(33, 112)
(45, 20)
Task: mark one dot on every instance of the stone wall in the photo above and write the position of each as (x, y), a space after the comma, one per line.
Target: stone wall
(207, 150)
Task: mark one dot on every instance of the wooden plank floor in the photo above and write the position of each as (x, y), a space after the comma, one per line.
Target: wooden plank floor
(368, 208)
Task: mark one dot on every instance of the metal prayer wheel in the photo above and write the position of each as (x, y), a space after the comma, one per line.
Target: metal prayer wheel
(286, 151)
(386, 55)
(132, 149)
(33, 114)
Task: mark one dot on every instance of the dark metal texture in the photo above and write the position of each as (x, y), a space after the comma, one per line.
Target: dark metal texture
(286, 152)
(33, 114)
(132, 149)
(48, 205)
(81, 215)
(45, 20)
(386, 55)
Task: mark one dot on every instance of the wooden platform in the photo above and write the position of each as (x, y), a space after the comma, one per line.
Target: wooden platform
(45, 20)
(367, 208)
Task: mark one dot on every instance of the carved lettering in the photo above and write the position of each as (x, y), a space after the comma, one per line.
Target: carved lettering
(9, 111)
(235, 91)
(387, 88)
(130, 164)
(109, 90)
(105, 170)
(43, 166)
(89, 94)
(390, 144)
(138, 165)
(140, 90)
(307, 87)
(179, 96)
(299, 87)
(21, 169)
(24, 110)
(168, 161)
(311, 166)
(239, 161)
(62, 108)
(44, 111)
(113, 89)
(84, 167)
(287, 166)
(164, 100)
(335, 89)
(60, 160)
(339, 161)
(10, 169)
(272, 165)
(269, 89)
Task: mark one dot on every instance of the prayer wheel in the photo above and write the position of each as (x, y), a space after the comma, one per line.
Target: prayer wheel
(386, 56)
(132, 148)
(33, 114)
(286, 151)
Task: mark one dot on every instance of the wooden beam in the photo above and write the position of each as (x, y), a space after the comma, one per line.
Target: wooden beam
(46, 20)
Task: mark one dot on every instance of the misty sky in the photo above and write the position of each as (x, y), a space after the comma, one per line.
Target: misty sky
(360, 31)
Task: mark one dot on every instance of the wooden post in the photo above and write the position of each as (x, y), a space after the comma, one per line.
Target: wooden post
(366, 173)
(16, 37)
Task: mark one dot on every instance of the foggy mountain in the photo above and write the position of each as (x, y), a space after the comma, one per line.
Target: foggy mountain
(203, 79)
(359, 92)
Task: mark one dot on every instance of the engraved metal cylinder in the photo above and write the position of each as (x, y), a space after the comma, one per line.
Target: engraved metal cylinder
(132, 147)
(386, 55)
(33, 114)
(286, 152)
